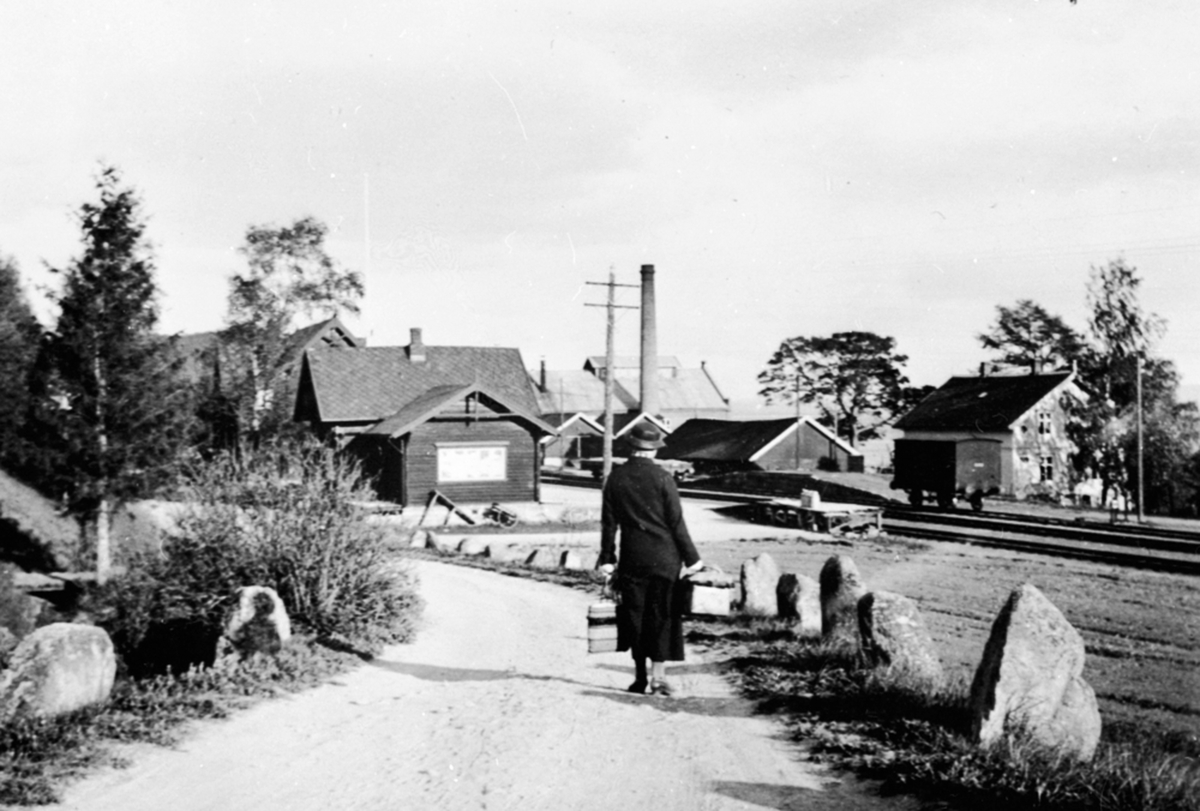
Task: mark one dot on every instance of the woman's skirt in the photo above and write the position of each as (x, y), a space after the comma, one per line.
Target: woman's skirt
(650, 618)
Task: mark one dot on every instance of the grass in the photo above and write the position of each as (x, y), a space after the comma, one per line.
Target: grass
(912, 738)
(39, 756)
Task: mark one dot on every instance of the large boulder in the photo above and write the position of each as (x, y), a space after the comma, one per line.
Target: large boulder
(473, 545)
(544, 557)
(507, 553)
(841, 589)
(799, 598)
(759, 578)
(1031, 677)
(259, 623)
(58, 668)
(441, 542)
(894, 636)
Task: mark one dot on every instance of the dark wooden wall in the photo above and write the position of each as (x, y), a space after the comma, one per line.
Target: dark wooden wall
(522, 474)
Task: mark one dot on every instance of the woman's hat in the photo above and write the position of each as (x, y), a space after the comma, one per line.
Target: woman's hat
(645, 437)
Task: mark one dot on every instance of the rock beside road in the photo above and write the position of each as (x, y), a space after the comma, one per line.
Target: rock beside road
(1031, 677)
(58, 668)
(799, 598)
(759, 579)
(895, 637)
(841, 589)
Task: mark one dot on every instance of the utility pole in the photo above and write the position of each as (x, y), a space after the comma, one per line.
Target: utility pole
(610, 324)
(1141, 485)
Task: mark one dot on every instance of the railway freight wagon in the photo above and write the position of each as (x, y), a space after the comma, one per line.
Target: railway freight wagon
(947, 469)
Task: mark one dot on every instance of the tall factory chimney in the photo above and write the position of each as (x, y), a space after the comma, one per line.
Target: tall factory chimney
(649, 375)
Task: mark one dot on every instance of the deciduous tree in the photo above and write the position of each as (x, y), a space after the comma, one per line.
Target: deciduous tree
(289, 276)
(1124, 339)
(855, 378)
(1028, 336)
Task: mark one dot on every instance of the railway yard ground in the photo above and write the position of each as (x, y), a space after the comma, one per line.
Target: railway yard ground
(1141, 627)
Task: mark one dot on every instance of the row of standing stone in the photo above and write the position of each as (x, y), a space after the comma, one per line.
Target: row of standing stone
(1030, 675)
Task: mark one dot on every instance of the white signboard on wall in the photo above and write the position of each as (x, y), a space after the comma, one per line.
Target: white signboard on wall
(472, 463)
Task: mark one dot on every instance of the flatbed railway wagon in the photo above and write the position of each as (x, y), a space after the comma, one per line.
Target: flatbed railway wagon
(946, 469)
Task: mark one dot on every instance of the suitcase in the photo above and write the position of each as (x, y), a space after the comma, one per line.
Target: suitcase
(709, 594)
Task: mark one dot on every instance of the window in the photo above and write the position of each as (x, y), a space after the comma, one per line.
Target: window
(1047, 467)
(474, 462)
(1045, 424)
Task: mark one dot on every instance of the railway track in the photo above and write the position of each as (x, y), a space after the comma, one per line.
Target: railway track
(1154, 548)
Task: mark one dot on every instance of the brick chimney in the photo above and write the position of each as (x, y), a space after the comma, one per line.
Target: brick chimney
(416, 349)
(649, 375)
(542, 376)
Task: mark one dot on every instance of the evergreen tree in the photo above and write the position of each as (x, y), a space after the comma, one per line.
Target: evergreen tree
(113, 403)
(20, 334)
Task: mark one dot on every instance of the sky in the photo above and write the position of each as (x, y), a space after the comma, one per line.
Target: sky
(788, 168)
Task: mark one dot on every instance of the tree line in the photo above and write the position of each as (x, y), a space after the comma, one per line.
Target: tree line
(856, 380)
(99, 406)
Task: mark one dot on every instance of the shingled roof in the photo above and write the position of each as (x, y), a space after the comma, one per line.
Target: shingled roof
(981, 404)
(370, 383)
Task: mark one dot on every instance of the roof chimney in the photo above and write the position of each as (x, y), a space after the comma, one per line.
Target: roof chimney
(983, 369)
(416, 349)
(649, 376)
(542, 376)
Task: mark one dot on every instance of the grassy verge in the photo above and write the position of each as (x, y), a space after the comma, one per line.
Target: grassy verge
(912, 738)
(37, 757)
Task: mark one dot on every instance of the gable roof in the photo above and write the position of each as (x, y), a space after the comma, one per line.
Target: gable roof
(580, 390)
(330, 332)
(565, 420)
(577, 390)
(370, 383)
(981, 404)
(434, 401)
(738, 440)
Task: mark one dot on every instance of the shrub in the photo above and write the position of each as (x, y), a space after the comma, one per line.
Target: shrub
(285, 516)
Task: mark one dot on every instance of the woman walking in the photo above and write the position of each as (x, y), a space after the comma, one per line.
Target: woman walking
(642, 502)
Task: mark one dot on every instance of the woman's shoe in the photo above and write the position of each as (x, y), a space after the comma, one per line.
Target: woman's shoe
(638, 686)
(661, 688)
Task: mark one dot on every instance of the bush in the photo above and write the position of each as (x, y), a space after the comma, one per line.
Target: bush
(285, 517)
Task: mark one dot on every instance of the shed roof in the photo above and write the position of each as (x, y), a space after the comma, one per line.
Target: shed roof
(434, 401)
(737, 440)
(981, 404)
(371, 383)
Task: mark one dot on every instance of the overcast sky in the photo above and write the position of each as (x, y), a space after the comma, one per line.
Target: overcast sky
(789, 168)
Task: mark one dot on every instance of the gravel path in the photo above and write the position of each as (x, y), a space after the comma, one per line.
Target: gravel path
(496, 706)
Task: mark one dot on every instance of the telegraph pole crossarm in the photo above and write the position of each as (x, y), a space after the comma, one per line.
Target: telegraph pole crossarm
(611, 306)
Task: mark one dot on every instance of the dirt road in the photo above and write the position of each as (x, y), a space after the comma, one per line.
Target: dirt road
(496, 706)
